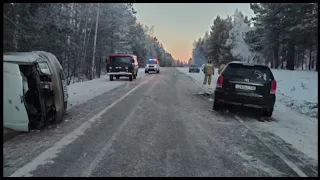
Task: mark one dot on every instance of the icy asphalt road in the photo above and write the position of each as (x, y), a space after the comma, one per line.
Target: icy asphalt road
(153, 126)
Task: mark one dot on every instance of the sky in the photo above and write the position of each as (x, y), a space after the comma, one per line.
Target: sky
(178, 25)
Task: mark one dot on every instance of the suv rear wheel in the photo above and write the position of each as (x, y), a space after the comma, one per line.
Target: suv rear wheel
(216, 105)
(267, 113)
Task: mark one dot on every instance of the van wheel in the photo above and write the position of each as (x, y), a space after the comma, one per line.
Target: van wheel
(216, 105)
(111, 77)
(130, 77)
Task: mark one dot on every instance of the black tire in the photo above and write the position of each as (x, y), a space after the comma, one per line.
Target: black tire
(111, 77)
(130, 77)
(267, 114)
(216, 105)
(134, 76)
(158, 71)
(146, 72)
(117, 77)
(189, 71)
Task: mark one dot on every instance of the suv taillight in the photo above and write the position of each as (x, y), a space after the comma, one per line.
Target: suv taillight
(220, 81)
(273, 87)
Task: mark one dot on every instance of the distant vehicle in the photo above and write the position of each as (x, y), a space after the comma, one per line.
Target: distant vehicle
(248, 85)
(194, 68)
(35, 90)
(119, 65)
(152, 65)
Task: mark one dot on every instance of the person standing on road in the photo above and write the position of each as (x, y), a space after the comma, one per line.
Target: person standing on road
(208, 72)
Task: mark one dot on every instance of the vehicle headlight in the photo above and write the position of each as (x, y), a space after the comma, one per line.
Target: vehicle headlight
(126, 68)
(110, 67)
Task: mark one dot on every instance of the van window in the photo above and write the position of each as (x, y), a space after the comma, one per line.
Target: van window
(44, 68)
(122, 59)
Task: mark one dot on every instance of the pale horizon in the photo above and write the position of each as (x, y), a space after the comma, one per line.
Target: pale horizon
(178, 25)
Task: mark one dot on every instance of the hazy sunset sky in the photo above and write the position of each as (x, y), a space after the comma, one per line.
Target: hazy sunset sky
(178, 25)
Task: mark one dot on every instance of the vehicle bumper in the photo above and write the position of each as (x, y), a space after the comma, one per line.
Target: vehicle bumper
(152, 69)
(119, 73)
(243, 100)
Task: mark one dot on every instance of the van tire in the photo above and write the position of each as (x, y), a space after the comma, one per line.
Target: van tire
(111, 77)
(130, 77)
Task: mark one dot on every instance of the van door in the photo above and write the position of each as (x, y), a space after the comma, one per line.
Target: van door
(15, 115)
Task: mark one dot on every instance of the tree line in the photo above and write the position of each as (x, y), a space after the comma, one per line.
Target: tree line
(281, 35)
(80, 35)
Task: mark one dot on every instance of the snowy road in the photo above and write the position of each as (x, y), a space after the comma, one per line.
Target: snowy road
(154, 126)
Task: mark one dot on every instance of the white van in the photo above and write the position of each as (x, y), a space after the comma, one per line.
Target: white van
(34, 90)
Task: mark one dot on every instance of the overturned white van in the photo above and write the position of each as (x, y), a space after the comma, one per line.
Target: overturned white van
(34, 90)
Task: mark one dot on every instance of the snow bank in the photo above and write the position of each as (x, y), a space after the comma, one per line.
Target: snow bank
(83, 91)
(298, 90)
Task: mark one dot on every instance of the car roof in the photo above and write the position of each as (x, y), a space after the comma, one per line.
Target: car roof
(21, 57)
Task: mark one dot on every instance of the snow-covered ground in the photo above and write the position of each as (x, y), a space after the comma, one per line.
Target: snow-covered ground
(83, 91)
(294, 122)
(298, 90)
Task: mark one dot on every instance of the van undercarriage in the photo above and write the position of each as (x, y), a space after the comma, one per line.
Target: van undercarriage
(38, 96)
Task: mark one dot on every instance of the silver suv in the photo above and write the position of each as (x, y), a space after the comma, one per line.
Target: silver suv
(152, 65)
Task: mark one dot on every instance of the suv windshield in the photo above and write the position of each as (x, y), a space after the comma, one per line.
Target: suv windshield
(117, 59)
(257, 73)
